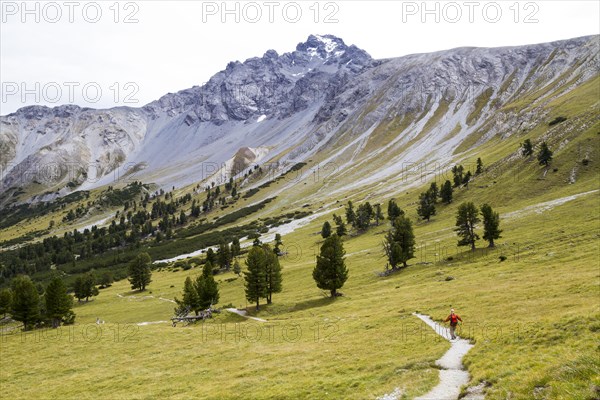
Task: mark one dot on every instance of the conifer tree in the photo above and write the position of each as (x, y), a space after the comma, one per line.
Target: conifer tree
(207, 287)
(278, 244)
(211, 257)
(399, 243)
(363, 217)
(446, 192)
(25, 305)
(326, 230)
(491, 224)
(5, 301)
(59, 304)
(190, 300)
(545, 155)
(457, 171)
(378, 214)
(393, 210)
(139, 272)
(466, 219)
(350, 214)
(340, 229)
(434, 192)
(331, 273)
(426, 206)
(235, 247)
(255, 276)
(272, 273)
(479, 169)
(527, 148)
(224, 255)
(237, 268)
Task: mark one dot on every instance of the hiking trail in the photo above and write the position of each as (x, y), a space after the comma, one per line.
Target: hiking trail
(452, 374)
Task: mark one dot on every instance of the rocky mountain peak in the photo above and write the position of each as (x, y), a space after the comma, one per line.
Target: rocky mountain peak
(323, 46)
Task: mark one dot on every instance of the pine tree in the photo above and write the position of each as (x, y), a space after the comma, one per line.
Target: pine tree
(211, 257)
(446, 192)
(5, 301)
(237, 268)
(25, 301)
(393, 211)
(84, 286)
(467, 179)
(235, 247)
(378, 214)
(278, 243)
(426, 206)
(340, 229)
(190, 300)
(527, 148)
(331, 273)
(363, 217)
(79, 288)
(58, 303)
(433, 192)
(272, 273)
(207, 287)
(255, 277)
(139, 272)
(326, 230)
(399, 243)
(466, 219)
(491, 224)
(457, 171)
(479, 169)
(350, 214)
(545, 155)
(224, 255)
(89, 285)
(106, 279)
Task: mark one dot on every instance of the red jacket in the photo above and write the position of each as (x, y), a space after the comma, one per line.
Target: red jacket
(455, 321)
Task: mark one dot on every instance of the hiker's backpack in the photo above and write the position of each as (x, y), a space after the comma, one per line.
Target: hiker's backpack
(453, 319)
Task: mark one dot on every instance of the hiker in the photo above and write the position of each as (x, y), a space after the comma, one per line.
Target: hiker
(453, 318)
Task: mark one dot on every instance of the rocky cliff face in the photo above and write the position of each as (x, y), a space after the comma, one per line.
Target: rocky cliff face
(324, 98)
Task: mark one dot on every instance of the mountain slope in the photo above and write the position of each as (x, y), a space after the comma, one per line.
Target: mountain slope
(325, 99)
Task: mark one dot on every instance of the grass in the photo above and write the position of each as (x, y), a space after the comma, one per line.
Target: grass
(364, 347)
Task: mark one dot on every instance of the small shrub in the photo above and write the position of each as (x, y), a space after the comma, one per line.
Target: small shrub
(585, 161)
(557, 120)
(502, 258)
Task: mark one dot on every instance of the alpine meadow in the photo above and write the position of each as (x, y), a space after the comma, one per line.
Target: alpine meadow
(301, 225)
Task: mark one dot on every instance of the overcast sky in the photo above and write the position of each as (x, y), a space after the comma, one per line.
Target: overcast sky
(133, 52)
